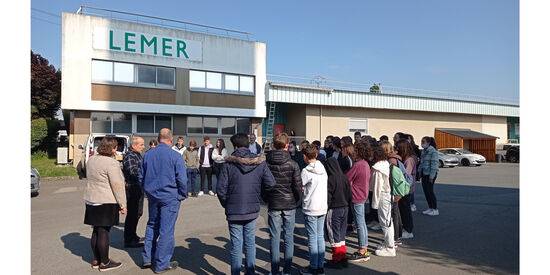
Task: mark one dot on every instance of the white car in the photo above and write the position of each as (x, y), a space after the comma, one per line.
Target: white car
(465, 157)
(35, 182)
(93, 142)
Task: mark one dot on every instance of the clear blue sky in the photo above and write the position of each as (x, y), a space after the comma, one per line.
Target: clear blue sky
(465, 45)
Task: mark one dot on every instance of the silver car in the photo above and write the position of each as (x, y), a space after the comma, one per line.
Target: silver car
(465, 157)
(447, 160)
(35, 182)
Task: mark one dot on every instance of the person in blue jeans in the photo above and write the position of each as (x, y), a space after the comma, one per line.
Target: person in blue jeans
(315, 206)
(239, 187)
(165, 183)
(191, 157)
(282, 200)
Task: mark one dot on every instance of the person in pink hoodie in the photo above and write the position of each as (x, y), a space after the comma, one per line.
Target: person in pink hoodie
(359, 178)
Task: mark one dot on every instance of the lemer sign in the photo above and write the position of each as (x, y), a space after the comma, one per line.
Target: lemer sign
(149, 44)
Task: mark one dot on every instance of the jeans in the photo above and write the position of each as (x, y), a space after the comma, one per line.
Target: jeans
(159, 234)
(406, 213)
(191, 177)
(316, 240)
(239, 232)
(362, 233)
(428, 187)
(396, 220)
(134, 198)
(206, 174)
(284, 219)
(336, 225)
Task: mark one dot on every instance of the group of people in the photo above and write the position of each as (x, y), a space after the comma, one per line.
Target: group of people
(341, 187)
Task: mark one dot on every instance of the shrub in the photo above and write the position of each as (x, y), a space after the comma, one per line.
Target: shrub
(39, 131)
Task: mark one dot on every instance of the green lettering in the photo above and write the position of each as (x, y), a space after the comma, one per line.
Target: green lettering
(180, 45)
(152, 42)
(111, 44)
(128, 42)
(166, 47)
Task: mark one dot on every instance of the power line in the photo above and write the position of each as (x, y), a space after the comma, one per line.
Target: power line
(46, 12)
(45, 20)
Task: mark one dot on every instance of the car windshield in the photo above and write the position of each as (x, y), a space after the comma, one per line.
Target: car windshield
(464, 151)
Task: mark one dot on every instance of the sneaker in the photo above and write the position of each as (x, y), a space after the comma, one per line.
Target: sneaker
(200, 193)
(172, 266)
(385, 252)
(211, 193)
(320, 271)
(398, 242)
(358, 257)
(413, 207)
(308, 271)
(111, 265)
(146, 266)
(434, 212)
(425, 212)
(133, 245)
(407, 235)
(95, 264)
(194, 195)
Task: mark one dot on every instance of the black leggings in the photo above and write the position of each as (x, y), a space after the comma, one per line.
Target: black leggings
(428, 187)
(100, 243)
(405, 213)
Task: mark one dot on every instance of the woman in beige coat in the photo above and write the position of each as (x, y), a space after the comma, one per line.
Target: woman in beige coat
(105, 198)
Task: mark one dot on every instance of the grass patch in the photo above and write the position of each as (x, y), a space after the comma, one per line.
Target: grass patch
(48, 168)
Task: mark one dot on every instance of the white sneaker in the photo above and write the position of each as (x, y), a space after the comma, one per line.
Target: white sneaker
(407, 235)
(427, 211)
(413, 207)
(211, 193)
(201, 193)
(385, 252)
(434, 212)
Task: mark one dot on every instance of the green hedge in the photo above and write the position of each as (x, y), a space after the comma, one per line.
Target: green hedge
(39, 131)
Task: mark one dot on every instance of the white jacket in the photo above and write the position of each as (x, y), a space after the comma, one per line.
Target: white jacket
(217, 157)
(380, 181)
(315, 181)
(181, 151)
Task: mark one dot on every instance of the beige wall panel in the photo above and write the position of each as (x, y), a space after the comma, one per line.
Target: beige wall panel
(182, 86)
(132, 94)
(495, 126)
(222, 100)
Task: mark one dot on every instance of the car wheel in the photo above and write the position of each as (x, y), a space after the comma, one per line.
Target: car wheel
(34, 194)
(441, 165)
(513, 159)
(465, 162)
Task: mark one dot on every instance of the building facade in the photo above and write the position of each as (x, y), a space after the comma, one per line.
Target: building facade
(122, 77)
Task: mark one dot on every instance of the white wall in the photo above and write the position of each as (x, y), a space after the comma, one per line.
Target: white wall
(218, 54)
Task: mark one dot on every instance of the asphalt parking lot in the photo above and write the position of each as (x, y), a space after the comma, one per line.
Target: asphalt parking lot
(477, 231)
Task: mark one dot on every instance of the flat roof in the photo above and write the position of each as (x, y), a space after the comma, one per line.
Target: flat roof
(465, 133)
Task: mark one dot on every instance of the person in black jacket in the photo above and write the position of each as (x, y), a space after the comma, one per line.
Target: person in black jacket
(282, 200)
(339, 198)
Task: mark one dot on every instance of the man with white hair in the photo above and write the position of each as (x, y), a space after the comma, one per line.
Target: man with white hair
(131, 165)
(164, 179)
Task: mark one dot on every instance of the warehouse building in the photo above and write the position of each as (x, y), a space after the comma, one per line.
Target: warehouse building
(126, 77)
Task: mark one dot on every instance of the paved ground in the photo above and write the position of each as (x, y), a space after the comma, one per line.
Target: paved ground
(477, 231)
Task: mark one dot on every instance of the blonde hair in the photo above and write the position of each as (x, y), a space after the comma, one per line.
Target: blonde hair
(388, 148)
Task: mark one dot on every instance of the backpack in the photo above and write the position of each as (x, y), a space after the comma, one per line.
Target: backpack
(407, 176)
(398, 183)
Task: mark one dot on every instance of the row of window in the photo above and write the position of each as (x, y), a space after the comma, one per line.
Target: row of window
(121, 123)
(133, 74)
(220, 82)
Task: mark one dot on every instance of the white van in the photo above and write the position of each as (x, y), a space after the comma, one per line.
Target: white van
(93, 142)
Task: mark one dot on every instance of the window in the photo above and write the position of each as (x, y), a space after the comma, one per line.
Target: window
(357, 125)
(194, 125)
(228, 125)
(147, 75)
(102, 70)
(145, 124)
(122, 123)
(231, 82)
(247, 84)
(124, 72)
(197, 79)
(165, 76)
(162, 122)
(210, 125)
(243, 125)
(213, 81)
(101, 123)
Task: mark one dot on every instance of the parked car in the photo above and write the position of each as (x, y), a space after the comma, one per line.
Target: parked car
(35, 182)
(447, 160)
(512, 154)
(93, 142)
(465, 157)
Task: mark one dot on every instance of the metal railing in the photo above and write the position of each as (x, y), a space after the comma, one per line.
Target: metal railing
(163, 22)
(322, 82)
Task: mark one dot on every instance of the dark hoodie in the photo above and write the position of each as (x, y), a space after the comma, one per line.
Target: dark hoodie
(286, 193)
(339, 193)
(240, 184)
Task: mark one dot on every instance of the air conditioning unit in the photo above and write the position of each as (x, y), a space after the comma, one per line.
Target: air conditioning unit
(62, 155)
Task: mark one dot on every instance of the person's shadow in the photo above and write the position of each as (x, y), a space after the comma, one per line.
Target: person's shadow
(193, 258)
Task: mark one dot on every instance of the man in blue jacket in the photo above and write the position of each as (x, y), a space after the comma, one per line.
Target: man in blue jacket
(165, 183)
(239, 188)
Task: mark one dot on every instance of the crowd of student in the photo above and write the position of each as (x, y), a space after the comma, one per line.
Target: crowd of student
(346, 185)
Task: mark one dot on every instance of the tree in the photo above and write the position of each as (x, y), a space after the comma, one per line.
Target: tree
(39, 131)
(45, 87)
(375, 88)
